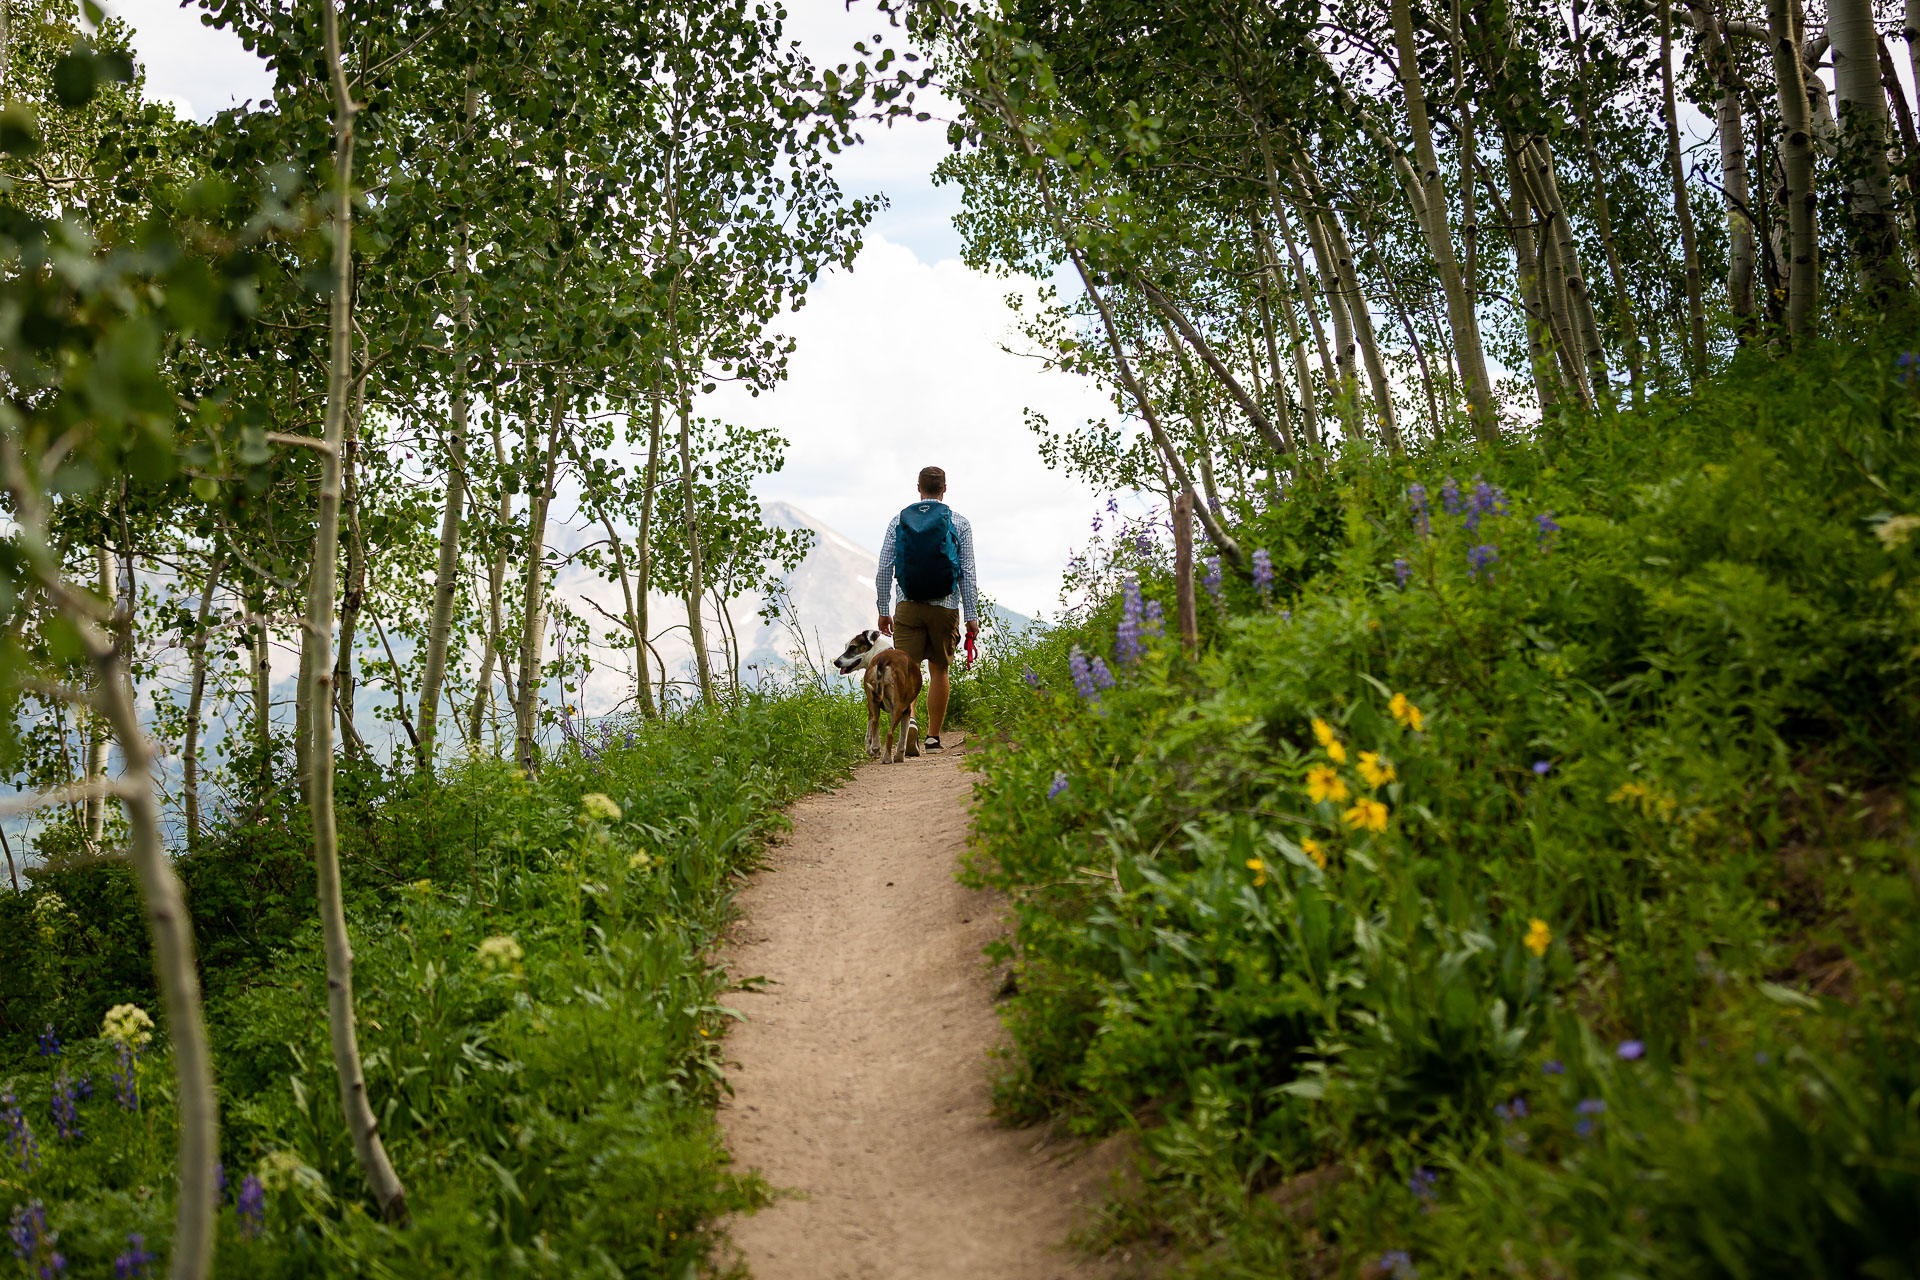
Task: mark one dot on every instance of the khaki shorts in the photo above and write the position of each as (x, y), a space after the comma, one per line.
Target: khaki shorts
(926, 632)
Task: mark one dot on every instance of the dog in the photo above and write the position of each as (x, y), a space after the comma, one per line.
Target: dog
(892, 682)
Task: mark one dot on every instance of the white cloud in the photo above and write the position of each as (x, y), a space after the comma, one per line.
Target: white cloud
(201, 70)
(899, 367)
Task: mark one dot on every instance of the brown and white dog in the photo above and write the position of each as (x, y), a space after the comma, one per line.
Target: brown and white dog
(892, 682)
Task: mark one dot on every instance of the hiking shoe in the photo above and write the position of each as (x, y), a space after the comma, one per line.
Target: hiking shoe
(933, 744)
(913, 739)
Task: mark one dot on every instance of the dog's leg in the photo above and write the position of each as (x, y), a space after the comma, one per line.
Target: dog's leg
(873, 727)
(886, 750)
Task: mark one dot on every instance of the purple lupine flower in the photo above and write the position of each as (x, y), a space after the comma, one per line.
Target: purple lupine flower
(1630, 1050)
(1544, 527)
(1589, 1109)
(251, 1205)
(1480, 559)
(1553, 1067)
(1031, 676)
(1262, 571)
(1541, 767)
(1082, 672)
(1096, 523)
(1417, 500)
(1450, 497)
(1488, 500)
(220, 1179)
(49, 1043)
(1213, 582)
(17, 1135)
(1102, 678)
(137, 1262)
(1905, 362)
(1113, 504)
(1402, 570)
(1126, 645)
(1059, 785)
(1398, 1263)
(1143, 544)
(1424, 1183)
(1154, 623)
(33, 1241)
(126, 1080)
(65, 1105)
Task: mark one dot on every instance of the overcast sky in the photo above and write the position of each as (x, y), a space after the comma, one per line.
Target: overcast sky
(898, 366)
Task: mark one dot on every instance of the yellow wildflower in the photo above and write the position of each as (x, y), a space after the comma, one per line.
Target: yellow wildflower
(1259, 870)
(1368, 814)
(1312, 849)
(595, 805)
(127, 1024)
(1329, 741)
(1323, 783)
(1539, 937)
(1377, 773)
(1405, 713)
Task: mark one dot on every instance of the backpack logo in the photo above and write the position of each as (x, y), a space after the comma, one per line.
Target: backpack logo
(927, 552)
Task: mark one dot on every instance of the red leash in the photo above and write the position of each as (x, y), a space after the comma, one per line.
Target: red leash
(970, 652)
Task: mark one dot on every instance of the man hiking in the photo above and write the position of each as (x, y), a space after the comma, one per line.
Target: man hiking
(929, 548)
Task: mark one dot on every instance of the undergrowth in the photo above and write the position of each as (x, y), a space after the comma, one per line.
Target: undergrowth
(537, 1005)
(1520, 880)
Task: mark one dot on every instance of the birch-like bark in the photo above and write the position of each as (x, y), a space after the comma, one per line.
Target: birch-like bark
(362, 1126)
(533, 611)
(1304, 284)
(1696, 347)
(170, 932)
(1603, 223)
(196, 698)
(433, 672)
(690, 519)
(496, 589)
(1582, 324)
(1863, 130)
(1261, 423)
(1909, 170)
(1363, 334)
(643, 558)
(1461, 318)
(355, 594)
(1346, 385)
(1518, 216)
(1302, 373)
(99, 739)
(1796, 163)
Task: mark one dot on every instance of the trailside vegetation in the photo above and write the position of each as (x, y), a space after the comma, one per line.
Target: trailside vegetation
(1518, 880)
(539, 1016)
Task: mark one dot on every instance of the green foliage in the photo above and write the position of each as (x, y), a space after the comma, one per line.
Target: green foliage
(1618, 983)
(549, 1101)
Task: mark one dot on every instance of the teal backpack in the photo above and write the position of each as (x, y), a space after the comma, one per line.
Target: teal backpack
(927, 552)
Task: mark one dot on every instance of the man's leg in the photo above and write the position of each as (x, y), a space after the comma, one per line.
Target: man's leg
(936, 696)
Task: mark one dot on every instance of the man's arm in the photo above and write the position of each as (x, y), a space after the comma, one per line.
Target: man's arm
(883, 579)
(969, 578)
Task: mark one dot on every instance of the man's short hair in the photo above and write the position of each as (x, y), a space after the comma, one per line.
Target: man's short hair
(933, 481)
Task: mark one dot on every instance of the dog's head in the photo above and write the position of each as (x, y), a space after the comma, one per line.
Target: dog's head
(860, 651)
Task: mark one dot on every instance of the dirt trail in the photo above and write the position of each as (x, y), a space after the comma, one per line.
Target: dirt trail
(860, 1079)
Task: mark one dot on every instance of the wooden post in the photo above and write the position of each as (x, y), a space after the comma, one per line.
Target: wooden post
(1183, 570)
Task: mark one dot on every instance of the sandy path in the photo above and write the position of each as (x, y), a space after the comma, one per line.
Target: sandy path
(860, 1078)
